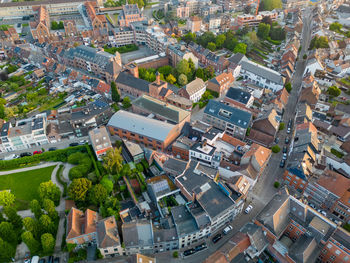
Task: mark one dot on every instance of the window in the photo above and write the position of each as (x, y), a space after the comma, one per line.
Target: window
(324, 251)
(337, 252)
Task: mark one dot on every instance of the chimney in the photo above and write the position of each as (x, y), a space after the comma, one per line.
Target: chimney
(158, 78)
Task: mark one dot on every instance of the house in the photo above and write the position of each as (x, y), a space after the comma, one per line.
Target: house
(194, 24)
(132, 85)
(138, 258)
(70, 28)
(221, 83)
(40, 27)
(231, 119)
(130, 13)
(265, 128)
(97, 22)
(81, 227)
(132, 152)
(239, 98)
(138, 237)
(181, 147)
(236, 64)
(146, 131)
(254, 20)
(100, 141)
(176, 53)
(108, 240)
(310, 95)
(194, 90)
(262, 76)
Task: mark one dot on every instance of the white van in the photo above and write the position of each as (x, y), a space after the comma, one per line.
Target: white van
(227, 230)
(35, 259)
(11, 157)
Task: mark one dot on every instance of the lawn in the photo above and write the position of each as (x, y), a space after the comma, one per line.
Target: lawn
(24, 185)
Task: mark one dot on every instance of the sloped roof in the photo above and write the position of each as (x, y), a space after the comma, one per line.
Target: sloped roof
(262, 71)
(107, 233)
(129, 80)
(194, 86)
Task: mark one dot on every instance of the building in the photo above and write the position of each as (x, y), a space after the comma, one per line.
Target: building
(138, 237)
(239, 98)
(132, 152)
(176, 53)
(108, 240)
(182, 11)
(97, 22)
(26, 133)
(94, 61)
(262, 76)
(81, 227)
(70, 28)
(194, 24)
(129, 14)
(100, 141)
(230, 119)
(181, 147)
(193, 90)
(221, 83)
(149, 132)
(254, 20)
(40, 28)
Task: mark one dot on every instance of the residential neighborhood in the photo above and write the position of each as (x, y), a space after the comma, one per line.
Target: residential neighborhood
(175, 131)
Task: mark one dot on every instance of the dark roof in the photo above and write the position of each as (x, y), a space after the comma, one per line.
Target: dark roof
(237, 58)
(227, 113)
(184, 221)
(131, 81)
(5, 129)
(262, 71)
(238, 95)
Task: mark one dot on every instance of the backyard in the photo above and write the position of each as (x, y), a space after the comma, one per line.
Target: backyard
(24, 185)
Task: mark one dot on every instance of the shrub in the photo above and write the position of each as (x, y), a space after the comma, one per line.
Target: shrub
(337, 153)
(305, 56)
(275, 149)
(175, 254)
(281, 127)
(276, 184)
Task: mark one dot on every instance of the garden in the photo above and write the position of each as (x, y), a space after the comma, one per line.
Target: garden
(122, 49)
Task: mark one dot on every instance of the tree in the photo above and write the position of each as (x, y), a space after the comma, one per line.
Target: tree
(6, 198)
(165, 70)
(240, 48)
(211, 46)
(276, 184)
(319, 42)
(7, 251)
(49, 207)
(126, 102)
(267, 20)
(207, 37)
(78, 188)
(175, 254)
(107, 183)
(47, 243)
(50, 191)
(46, 224)
(336, 26)
(7, 233)
(182, 80)
(200, 73)
(32, 244)
(32, 226)
(98, 194)
(263, 30)
(334, 91)
(35, 208)
(304, 56)
(13, 217)
(115, 93)
(288, 87)
(268, 5)
(183, 67)
(189, 37)
(170, 79)
(113, 160)
(277, 33)
(275, 149)
(139, 167)
(281, 127)
(220, 40)
(209, 73)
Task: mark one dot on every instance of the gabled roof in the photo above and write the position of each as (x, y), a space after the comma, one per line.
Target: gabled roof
(107, 233)
(262, 71)
(334, 182)
(129, 80)
(194, 86)
(239, 95)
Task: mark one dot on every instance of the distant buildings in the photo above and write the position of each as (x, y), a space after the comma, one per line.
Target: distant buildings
(130, 13)
(254, 20)
(40, 28)
(194, 24)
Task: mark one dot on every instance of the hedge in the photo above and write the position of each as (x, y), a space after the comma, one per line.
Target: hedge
(92, 157)
(53, 156)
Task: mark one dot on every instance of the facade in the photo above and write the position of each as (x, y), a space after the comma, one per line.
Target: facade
(132, 152)
(25, 134)
(40, 28)
(97, 22)
(138, 237)
(100, 141)
(194, 90)
(254, 20)
(152, 133)
(130, 13)
(221, 83)
(176, 53)
(262, 76)
(194, 24)
(96, 62)
(233, 120)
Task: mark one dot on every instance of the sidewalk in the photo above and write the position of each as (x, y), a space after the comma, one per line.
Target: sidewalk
(28, 168)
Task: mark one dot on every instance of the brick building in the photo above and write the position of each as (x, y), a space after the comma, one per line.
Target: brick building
(130, 13)
(40, 28)
(221, 83)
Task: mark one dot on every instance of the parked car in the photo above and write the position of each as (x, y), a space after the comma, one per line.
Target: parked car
(285, 149)
(248, 209)
(189, 252)
(282, 163)
(11, 157)
(287, 140)
(227, 230)
(284, 156)
(56, 260)
(37, 152)
(82, 142)
(73, 144)
(288, 131)
(27, 257)
(25, 154)
(216, 238)
(200, 247)
(51, 149)
(35, 259)
(277, 140)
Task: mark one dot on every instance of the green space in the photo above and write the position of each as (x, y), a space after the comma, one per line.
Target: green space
(111, 3)
(24, 185)
(319, 42)
(123, 49)
(345, 81)
(337, 153)
(57, 25)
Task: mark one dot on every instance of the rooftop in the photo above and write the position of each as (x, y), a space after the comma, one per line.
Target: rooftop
(262, 71)
(238, 95)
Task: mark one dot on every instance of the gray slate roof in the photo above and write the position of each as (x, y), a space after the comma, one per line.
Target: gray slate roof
(90, 54)
(129, 80)
(239, 95)
(262, 71)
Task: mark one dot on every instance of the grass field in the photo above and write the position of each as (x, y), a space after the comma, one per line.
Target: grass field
(24, 185)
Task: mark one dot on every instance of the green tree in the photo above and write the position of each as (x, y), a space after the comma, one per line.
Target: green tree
(200, 73)
(269, 5)
(98, 194)
(107, 183)
(209, 73)
(204, 39)
(115, 93)
(276, 184)
(126, 102)
(32, 244)
(334, 91)
(263, 30)
(32, 226)
(35, 207)
(240, 48)
(50, 191)
(183, 67)
(170, 79)
(49, 207)
(336, 26)
(220, 40)
(281, 127)
(6, 198)
(7, 233)
(319, 42)
(189, 37)
(46, 224)
(47, 243)
(182, 80)
(113, 160)
(7, 251)
(275, 149)
(277, 33)
(78, 188)
(165, 70)
(304, 56)
(139, 167)
(288, 87)
(13, 217)
(175, 254)
(211, 46)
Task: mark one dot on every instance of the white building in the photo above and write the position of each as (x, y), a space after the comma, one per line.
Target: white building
(194, 90)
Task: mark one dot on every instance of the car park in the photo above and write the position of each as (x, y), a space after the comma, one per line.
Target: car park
(227, 230)
(200, 247)
(189, 252)
(282, 163)
(25, 154)
(216, 238)
(248, 209)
